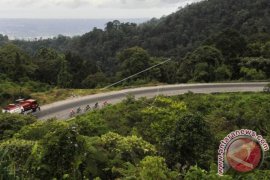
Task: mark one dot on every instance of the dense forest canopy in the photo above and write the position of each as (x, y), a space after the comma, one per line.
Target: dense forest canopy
(174, 138)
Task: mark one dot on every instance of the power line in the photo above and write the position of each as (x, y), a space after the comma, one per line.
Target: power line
(136, 74)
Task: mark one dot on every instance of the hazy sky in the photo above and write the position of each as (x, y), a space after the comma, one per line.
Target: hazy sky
(88, 8)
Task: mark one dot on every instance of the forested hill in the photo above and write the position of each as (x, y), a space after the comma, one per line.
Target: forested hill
(190, 26)
(212, 40)
(173, 35)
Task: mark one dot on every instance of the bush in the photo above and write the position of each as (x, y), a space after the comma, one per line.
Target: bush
(18, 153)
(150, 168)
(252, 74)
(38, 130)
(195, 173)
(12, 123)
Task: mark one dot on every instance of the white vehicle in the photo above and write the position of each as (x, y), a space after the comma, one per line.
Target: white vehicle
(13, 109)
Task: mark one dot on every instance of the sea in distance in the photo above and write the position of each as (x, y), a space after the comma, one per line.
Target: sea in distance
(35, 29)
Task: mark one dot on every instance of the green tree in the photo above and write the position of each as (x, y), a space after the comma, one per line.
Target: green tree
(49, 65)
(169, 72)
(231, 43)
(258, 63)
(252, 74)
(58, 154)
(201, 72)
(64, 78)
(190, 142)
(18, 153)
(75, 62)
(223, 73)
(127, 149)
(151, 167)
(254, 50)
(3, 39)
(94, 80)
(38, 130)
(258, 174)
(18, 70)
(196, 172)
(266, 50)
(159, 119)
(133, 60)
(154, 168)
(200, 64)
(15, 63)
(12, 123)
(6, 170)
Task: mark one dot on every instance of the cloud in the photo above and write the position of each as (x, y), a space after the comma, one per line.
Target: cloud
(129, 4)
(69, 3)
(143, 4)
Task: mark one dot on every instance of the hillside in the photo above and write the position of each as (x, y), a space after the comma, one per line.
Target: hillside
(173, 35)
(213, 40)
(189, 27)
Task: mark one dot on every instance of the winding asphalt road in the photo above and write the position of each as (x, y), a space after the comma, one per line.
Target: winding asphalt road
(61, 109)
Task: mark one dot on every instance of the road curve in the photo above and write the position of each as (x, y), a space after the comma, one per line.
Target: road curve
(61, 109)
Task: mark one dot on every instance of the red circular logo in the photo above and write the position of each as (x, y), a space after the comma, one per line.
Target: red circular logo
(244, 154)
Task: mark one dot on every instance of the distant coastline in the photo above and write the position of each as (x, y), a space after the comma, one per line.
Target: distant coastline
(35, 29)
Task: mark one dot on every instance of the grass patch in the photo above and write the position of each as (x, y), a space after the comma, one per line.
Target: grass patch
(56, 94)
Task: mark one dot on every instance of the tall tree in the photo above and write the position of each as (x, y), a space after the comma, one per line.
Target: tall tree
(64, 78)
(133, 60)
(200, 64)
(230, 42)
(48, 61)
(189, 142)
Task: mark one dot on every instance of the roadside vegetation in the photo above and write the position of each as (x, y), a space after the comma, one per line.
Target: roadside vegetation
(162, 138)
(45, 94)
(57, 94)
(10, 91)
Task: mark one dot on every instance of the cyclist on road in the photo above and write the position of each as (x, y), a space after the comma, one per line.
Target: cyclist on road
(72, 113)
(79, 110)
(87, 108)
(105, 103)
(96, 105)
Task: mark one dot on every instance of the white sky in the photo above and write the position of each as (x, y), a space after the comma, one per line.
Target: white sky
(89, 8)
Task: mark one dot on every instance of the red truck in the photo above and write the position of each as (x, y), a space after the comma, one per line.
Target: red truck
(22, 106)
